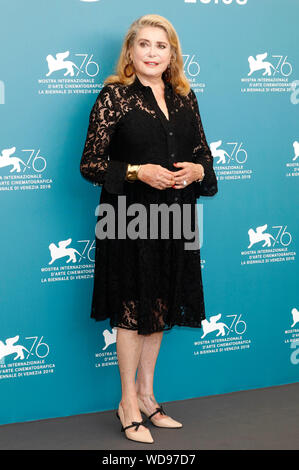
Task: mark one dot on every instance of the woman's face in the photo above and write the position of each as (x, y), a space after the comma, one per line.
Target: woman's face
(150, 52)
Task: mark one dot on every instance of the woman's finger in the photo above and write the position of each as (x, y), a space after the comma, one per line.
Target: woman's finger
(180, 182)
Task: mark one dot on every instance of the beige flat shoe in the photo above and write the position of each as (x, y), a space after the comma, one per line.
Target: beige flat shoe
(165, 422)
(134, 435)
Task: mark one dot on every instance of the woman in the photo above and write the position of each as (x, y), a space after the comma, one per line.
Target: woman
(146, 143)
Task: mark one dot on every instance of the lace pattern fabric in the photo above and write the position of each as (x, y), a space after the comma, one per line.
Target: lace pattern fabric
(146, 285)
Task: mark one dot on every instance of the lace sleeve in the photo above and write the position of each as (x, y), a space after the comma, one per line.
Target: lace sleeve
(202, 154)
(95, 165)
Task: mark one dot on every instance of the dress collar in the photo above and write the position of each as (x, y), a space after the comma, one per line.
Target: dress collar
(138, 85)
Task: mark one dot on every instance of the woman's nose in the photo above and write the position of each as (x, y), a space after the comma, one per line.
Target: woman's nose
(152, 52)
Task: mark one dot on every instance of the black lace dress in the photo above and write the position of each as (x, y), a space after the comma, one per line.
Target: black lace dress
(146, 284)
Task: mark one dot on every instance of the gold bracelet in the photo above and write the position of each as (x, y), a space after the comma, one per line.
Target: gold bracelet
(132, 173)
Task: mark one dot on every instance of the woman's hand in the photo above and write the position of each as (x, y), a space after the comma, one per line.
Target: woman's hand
(156, 176)
(190, 172)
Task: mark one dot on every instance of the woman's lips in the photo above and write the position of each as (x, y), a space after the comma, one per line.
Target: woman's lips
(151, 64)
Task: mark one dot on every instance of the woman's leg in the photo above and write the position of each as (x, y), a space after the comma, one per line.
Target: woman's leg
(146, 370)
(129, 346)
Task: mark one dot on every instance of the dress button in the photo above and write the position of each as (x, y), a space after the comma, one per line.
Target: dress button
(172, 155)
(170, 133)
(176, 198)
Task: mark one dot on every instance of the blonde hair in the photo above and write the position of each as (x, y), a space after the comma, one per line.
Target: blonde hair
(176, 77)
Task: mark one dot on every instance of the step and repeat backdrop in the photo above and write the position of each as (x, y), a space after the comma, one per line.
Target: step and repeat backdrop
(241, 58)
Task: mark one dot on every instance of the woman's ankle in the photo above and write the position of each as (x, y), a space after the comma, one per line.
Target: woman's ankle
(128, 402)
(145, 395)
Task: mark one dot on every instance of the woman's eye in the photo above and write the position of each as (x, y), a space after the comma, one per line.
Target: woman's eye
(145, 44)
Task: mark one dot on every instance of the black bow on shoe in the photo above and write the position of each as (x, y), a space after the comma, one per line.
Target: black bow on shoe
(135, 423)
(158, 410)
